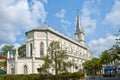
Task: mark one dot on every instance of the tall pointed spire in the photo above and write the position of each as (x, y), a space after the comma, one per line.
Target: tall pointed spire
(78, 25)
(79, 34)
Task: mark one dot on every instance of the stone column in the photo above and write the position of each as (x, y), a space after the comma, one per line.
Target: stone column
(8, 67)
(33, 61)
(16, 62)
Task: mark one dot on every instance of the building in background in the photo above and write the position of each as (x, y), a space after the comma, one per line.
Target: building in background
(37, 42)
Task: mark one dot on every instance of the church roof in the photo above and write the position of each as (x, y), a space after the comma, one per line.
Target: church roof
(43, 27)
(46, 27)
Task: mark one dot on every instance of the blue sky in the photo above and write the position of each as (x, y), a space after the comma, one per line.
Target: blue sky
(100, 20)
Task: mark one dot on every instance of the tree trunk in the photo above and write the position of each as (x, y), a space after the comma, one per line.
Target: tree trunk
(56, 70)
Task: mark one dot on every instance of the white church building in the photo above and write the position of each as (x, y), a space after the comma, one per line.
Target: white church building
(37, 42)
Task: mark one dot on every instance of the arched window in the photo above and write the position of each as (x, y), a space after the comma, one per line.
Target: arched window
(12, 69)
(31, 50)
(41, 49)
(25, 69)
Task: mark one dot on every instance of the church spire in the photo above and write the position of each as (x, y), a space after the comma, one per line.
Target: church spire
(78, 26)
(79, 34)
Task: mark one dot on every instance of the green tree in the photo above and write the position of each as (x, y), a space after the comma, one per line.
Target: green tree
(46, 66)
(115, 52)
(105, 58)
(21, 50)
(4, 64)
(92, 66)
(7, 48)
(88, 67)
(56, 59)
(97, 66)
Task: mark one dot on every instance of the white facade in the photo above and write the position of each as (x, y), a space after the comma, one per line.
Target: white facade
(37, 42)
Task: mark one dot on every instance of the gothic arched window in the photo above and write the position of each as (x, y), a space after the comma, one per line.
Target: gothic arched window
(41, 49)
(25, 69)
(12, 69)
(31, 50)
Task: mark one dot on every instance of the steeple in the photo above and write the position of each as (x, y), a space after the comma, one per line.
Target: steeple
(78, 25)
(79, 33)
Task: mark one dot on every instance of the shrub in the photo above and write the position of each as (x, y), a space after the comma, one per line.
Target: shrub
(21, 77)
(62, 76)
(77, 75)
(1, 77)
(34, 76)
(9, 77)
(46, 76)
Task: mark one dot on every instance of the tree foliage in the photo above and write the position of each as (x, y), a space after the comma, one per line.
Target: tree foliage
(11, 49)
(7, 48)
(21, 50)
(115, 52)
(4, 64)
(56, 59)
(92, 66)
(105, 58)
(110, 55)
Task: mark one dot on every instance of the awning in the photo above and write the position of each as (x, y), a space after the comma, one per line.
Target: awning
(118, 68)
(2, 72)
(109, 68)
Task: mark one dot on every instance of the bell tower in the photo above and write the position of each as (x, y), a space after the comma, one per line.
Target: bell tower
(79, 33)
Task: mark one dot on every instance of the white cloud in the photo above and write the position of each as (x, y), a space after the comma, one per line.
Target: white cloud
(2, 45)
(98, 46)
(19, 15)
(113, 17)
(65, 23)
(61, 13)
(38, 11)
(16, 45)
(45, 1)
(88, 10)
(89, 24)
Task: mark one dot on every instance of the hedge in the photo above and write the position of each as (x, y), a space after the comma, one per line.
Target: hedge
(62, 76)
